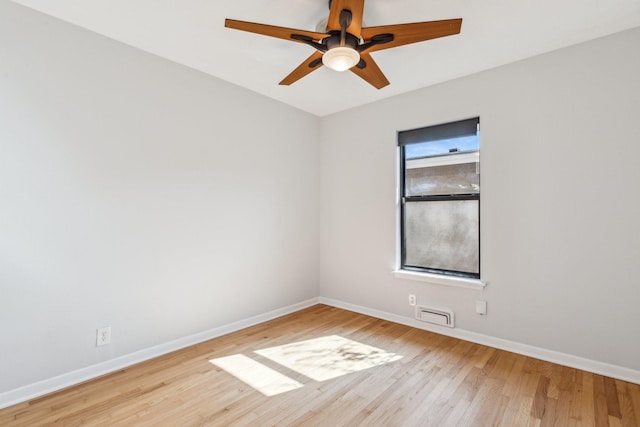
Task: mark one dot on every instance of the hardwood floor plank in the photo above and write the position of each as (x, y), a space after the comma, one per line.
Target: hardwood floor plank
(562, 409)
(540, 398)
(549, 418)
(600, 402)
(613, 405)
(588, 415)
(438, 381)
(630, 414)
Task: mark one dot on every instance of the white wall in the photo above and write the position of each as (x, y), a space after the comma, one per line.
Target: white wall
(139, 194)
(560, 217)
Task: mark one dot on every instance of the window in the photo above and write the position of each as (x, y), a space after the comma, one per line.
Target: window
(440, 199)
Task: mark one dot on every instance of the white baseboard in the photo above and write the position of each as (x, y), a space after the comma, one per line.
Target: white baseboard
(606, 369)
(50, 385)
(32, 391)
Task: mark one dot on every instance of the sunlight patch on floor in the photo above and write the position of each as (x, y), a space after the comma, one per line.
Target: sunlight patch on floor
(328, 357)
(262, 378)
(319, 359)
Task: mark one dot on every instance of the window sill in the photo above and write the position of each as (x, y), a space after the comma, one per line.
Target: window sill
(459, 282)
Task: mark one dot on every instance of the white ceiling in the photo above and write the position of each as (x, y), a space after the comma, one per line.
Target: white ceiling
(494, 32)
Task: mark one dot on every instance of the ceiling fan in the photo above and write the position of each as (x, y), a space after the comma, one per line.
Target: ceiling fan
(346, 45)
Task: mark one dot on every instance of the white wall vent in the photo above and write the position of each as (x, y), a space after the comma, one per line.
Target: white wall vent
(436, 316)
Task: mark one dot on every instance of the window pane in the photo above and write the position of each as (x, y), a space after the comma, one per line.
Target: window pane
(443, 146)
(443, 235)
(447, 179)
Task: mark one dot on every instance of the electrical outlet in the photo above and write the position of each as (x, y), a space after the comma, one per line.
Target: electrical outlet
(103, 336)
(412, 299)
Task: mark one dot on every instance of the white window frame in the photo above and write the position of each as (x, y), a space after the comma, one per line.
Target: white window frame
(433, 278)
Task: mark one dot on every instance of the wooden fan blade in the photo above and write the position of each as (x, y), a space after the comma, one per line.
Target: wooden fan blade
(412, 33)
(312, 63)
(355, 6)
(271, 30)
(371, 73)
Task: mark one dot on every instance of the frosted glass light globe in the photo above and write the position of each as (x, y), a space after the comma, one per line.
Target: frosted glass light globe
(341, 58)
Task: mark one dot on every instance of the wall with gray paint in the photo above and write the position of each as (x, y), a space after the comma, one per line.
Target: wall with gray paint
(138, 194)
(560, 228)
(146, 196)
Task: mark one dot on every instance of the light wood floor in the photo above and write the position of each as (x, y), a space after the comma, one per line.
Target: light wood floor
(439, 381)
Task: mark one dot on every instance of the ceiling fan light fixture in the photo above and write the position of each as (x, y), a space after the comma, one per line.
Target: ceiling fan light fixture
(341, 58)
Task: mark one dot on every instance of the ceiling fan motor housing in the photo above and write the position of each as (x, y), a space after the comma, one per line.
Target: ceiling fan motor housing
(334, 40)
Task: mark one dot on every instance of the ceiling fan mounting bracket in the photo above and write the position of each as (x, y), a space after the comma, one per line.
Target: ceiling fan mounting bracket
(308, 40)
(315, 62)
(377, 39)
